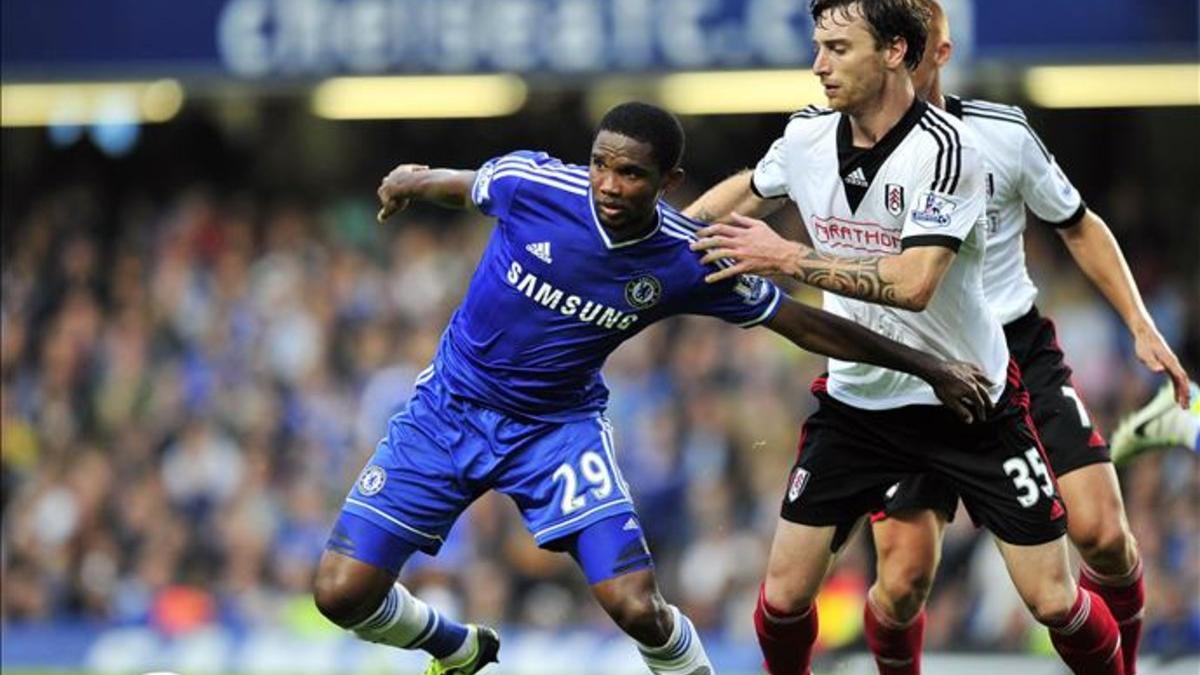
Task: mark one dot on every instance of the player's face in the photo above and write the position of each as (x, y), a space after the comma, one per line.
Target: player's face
(937, 53)
(626, 181)
(850, 66)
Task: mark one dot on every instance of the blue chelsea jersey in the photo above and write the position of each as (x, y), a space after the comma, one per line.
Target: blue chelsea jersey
(553, 295)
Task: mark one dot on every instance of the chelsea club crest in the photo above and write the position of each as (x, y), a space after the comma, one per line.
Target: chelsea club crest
(643, 292)
(371, 480)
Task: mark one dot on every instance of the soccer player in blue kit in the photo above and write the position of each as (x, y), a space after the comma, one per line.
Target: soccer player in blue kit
(581, 260)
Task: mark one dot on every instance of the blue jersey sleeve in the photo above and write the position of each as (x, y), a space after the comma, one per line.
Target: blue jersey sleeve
(746, 300)
(497, 181)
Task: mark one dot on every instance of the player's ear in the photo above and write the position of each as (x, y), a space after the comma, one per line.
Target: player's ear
(672, 179)
(942, 55)
(893, 54)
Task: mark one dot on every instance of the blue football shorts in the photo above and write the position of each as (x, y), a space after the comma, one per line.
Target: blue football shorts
(442, 452)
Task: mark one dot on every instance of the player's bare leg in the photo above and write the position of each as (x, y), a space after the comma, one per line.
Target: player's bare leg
(908, 547)
(615, 559)
(1100, 531)
(1082, 629)
(347, 591)
(666, 638)
(785, 617)
(367, 600)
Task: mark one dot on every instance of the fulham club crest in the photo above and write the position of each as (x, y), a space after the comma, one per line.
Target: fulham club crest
(643, 292)
(799, 482)
(893, 199)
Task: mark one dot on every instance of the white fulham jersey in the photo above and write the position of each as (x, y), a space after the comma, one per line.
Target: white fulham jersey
(1020, 171)
(922, 184)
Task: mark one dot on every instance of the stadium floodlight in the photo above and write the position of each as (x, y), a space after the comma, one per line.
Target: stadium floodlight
(740, 91)
(84, 103)
(419, 97)
(1114, 86)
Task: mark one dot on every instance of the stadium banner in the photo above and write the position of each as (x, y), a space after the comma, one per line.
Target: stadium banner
(303, 39)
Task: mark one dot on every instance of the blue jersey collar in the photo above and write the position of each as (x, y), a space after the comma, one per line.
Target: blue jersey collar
(608, 243)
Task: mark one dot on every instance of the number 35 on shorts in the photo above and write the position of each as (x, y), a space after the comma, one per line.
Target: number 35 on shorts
(1030, 476)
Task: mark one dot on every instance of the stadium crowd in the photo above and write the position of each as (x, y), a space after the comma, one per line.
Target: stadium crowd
(187, 398)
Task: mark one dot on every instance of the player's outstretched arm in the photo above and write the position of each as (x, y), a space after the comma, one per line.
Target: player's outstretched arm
(732, 195)
(1097, 253)
(962, 387)
(450, 188)
(907, 280)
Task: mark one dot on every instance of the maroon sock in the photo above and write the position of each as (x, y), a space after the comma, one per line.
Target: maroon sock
(895, 646)
(1125, 597)
(786, 639)
(1089, 641)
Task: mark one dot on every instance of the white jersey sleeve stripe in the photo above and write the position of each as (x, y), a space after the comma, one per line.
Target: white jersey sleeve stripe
(674, 231)
(529, 165)
(683, 222)
(537, 178)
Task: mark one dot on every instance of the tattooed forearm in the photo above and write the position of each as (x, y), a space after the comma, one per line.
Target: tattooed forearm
(703, 215)
(852, 277)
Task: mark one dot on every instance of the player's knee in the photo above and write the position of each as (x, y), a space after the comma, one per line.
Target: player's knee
(785, 593)
(905, 585)
(1105, 543)
(1052, 606)
(333, 601)
(342, 598)
(646, 617)
(336, 600)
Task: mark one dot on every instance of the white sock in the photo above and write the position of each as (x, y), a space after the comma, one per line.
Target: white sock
(682, 654)
(401, 621)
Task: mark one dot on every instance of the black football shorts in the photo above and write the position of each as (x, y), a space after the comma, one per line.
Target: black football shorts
(1062, 420)
(849, 458)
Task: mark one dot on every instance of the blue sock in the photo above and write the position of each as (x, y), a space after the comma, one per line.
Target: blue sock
(406, 622)
(447, 636)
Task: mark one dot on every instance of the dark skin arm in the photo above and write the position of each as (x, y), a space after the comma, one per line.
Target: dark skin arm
(450, 188)
(962, 387)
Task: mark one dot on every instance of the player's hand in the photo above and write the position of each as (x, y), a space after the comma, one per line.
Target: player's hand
(963, 388)
(391, 189)
(751, 244)
(1153, 351)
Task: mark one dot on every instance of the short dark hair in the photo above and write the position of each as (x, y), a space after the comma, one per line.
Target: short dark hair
(648, 124)
(887, 20)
